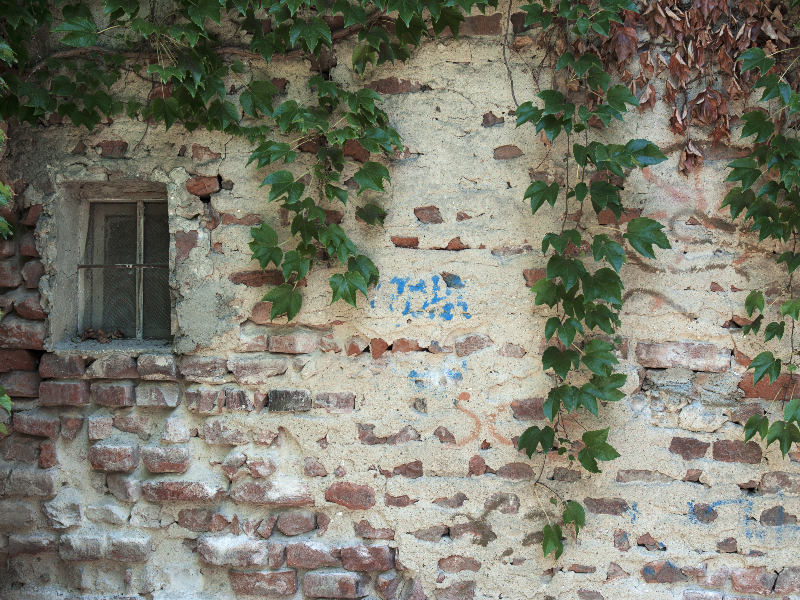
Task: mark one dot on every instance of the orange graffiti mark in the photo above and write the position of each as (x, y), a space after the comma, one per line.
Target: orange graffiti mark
(490, 424)
(476, 432)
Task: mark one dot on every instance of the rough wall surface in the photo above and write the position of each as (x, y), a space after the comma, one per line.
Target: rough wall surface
(371, 452)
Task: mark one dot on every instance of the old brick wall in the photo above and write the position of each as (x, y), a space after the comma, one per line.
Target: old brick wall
(371, 452)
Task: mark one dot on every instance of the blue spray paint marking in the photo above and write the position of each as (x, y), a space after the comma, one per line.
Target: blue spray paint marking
(434, 378)
(420, 302)
(746, 508)
(634, 512)
(452, 281)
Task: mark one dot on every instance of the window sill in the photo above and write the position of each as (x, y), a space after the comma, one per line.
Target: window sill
(129, 347)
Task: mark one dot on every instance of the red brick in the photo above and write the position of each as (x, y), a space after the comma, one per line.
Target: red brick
(355, 150)
(31, 482)
(329, 344)
(378, 347)
(64, 393)
(10, 274)
(16, 515)
(8, 248)
(128, 548)
(688, 448)
(53, 365)
(250, 220)
(99, 428)
(606, 217)
(335, 402)
(310, 556)
(114, 394)
(158, 395)
(166, 460)
(21, 450)
(477, 466)
(528, 409)
(335, 585)
(455, 245)
(780, 390)
(71, 426)
(203, 186)
(460, 590)
(295, 523)
(112, 458)
(455, 564)
(32, 215)
(776, 482)
(393, 85)
(133, 423)
(112, 148)
(32, 272)
(18, 360)
(367, 558)
(428, 214)
(113, 366)
(82, 546)
(364, 530)
(23, 384)
(503, 502)
(444, 435)
(405, 345)
(788, 581)
(295, 343)
(755, 580)
(35, 543)
(30, 308)
(398, 501)
(195, 519)
(162, 367)
(273, 493)
(217, 432)
(472, 343)
(515, 471)
(482, 25)
(36, 423)
(124, 487)
(314, 468)
(355, 345)
(386, 585)
(507, 152)
(47, 455)
(19, 334)
(412, 470)
(737, 451)
(606, 506)
(662, 571)
(256, 370)
(282, 583)
(697, 357)
(511, 351)
(27, 245)
(405, 242)
(260, 468)
(351, 495)
(179, 491)
(204, 369)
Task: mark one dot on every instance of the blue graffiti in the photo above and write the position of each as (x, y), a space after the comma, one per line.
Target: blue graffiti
(418, 302)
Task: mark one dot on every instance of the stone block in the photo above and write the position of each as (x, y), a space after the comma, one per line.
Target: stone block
(82, 546)
(16, 515)
(128, 547)
(34, 543)
(157, 367)
(204, 369)
(289, 400)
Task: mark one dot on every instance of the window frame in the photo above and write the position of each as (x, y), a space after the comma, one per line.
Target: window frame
(85, 269)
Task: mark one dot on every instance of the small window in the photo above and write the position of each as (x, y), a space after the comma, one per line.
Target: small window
(125, 268)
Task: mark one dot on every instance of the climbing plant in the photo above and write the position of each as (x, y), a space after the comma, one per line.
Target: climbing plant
(75, 61)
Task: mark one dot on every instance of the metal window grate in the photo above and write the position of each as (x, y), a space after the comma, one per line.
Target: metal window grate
(125, 267)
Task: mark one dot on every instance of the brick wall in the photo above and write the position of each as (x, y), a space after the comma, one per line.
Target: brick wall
(371, 453)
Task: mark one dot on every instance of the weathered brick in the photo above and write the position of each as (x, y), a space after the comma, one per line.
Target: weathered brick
(158, 395)
(697, 357)
(82, 546)
(54, 366)
(124, 487)
(309, 555)
(195, 519)
(366, 531)
(480, 532)
(293, 343)
(21, 334)
(166, 460)
(432, 534)
(503, 502)
(116, 394)
(289, 400)
(18, 360)
(10, 275)
(460, 590)
(179, 491)
(336, 402)
(114, 457)
(256, 370)
(27, 244)
(161, 367)
(511, 351)
(21, 384)
(701, 595)
(100, 428)
(606, 506)
(351, 495)
(282, 492)
(393, 85)
(788, 581)
(471, 343)
(232, 550)
(386, 585)
(32, 215)
(688, 448)
(781, 389)
(32, 272)
(34, 543)
(662, 571)
(64, 393)
(217, 432)
(367, 558)
(335, 585)
(204, 369)
(444, 435)
(30, 307)
(203, 186)
(128, 547)
(295, 523)
(113, 366)
(32, 422)
(754, 580)
(112, 149)
(515, 471)
(71, 426)
(31, 482)
(776, 482)
(507, 152)
(641, 476)
(282, 583)
(737, 451)
(16, 515)
(204, 399)
(777, 517)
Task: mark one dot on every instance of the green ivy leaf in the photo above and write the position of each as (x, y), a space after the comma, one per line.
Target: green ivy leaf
(79, 28)
(606, 388)
(645, 153)
(756, 58)
(604, 247)
(310, 33)
(285, 300)
(258, 98)
(200, 10)
(536, 15)
(598, 357)
(745, 170)
(785, 434)
(527, 112)
(560, 242)
(754, 300)
(570, 270)
(283, 183)
(791, 412)
(756, 424)
(774, 330)
(371, 214)
(791, 308)
(574, 513)
(604, 285)
(352, 13)
(294, 262)
(561, 361)
(792, 260)
(265, 246)
(548, 292)
(533, 437)
(539, 193)
(345, 287)
(765, 364)
(371, 176)
(759, 124)
(643, 233)
(551, 541)
(618, 96)
(366, 267)
(450, 17)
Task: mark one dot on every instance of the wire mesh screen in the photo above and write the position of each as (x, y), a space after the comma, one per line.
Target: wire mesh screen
(121, 297)
(156, 310)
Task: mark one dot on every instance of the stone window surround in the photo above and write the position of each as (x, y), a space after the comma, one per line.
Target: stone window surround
(62, 281)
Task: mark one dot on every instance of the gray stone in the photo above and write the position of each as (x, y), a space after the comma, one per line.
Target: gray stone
(65, 510)
(289, 400)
